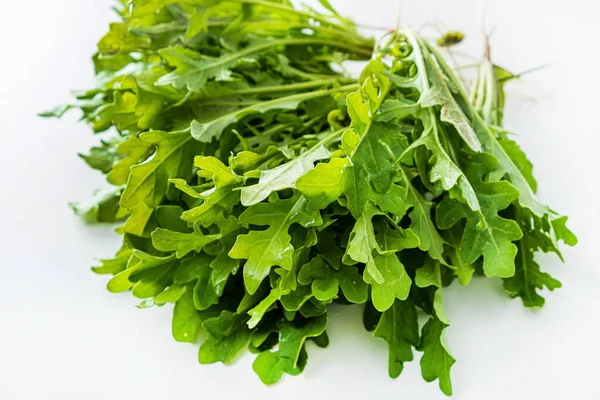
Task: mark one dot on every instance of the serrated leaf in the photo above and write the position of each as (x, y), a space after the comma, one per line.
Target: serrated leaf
(326, 281)
(528, 277)
(270, 366)
(206, 131)
(138, 263)
(421, 223)
(284, 176)
(148, 182)
(494, 242)
(399, 327)
(218, 201)
(437, 360)
(363, 244)
(272, 247)
(323, 184)
(227, 335)
(133, 150)
(181, 243)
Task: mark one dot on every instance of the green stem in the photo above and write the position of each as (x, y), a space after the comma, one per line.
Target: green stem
(301, 97)
(332, 136)
(309, 15)
(284, 42)
(288, 88)
(278, 128)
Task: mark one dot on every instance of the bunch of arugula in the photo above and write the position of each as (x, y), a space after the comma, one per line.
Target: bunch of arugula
(259, 184)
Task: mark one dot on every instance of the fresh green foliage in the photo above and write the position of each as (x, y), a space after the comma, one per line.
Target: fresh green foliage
(258, 184)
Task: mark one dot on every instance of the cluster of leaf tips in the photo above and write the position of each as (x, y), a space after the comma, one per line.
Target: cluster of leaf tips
(259, 183)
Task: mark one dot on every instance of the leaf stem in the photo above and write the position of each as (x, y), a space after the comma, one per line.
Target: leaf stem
(287, 88)
(309, 15)
(299, 97)
(282, 42)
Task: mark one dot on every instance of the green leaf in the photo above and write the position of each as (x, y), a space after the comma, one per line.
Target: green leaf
(133, 150)
(444, 170)
(227, 335)
(326, 281)
(186, 319)
(284, 176)
(138, 263)
(270, 366)
(120, 40)
(396, 282)
(363, 244)
(463, 270)
(205, 293)
(436, 361)
(172, 294)
(258, 312)
(169, 217)
(399, 327)
(520, 159)
(323, 184)
(430, 275)
(181, 243)
(559, 225)
(152, 282)
(114, 265)
(373, 157)
(494, 241)
(422, 225)
(272, 247)
(213, 129)
(438, 94)
(528, 277)
(218, 201)
(148, 182)
(103, 157)
(527, 198)
(102, 207)
(139, 222)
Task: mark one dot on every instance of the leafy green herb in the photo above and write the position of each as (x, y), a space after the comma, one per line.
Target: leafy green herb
(258, 184)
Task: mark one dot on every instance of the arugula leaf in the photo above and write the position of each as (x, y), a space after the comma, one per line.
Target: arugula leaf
(182, 243)
(362, 245)
(396, 282)
(283, 176)
(186, 319)
(270, 366)
(436, 361)
(138, 263)
(102, 207)
(217, 201)
(323, 184)
(272, 247)
(399, 327)
(421, 222)
(148, 182)
(528, 277)
(326, 281)
(227, 336)
(494, 241)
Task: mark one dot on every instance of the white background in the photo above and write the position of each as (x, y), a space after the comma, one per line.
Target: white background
(62, 336)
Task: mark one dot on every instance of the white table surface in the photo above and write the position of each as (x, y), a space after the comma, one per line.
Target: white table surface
(63, 336)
